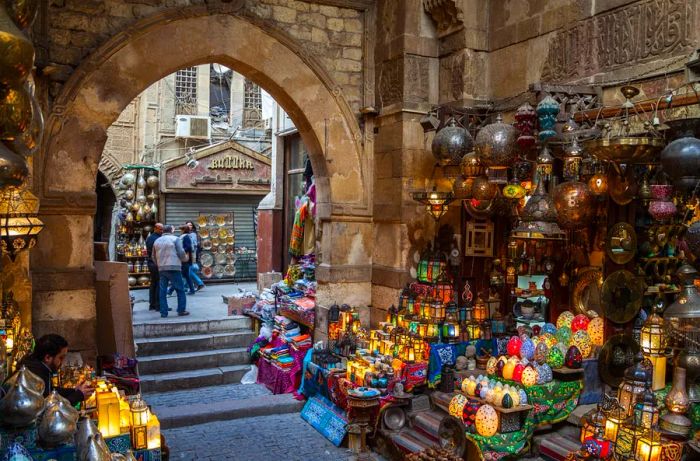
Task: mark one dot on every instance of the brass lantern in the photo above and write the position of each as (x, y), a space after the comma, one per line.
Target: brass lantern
(139, 424)
(652, 339)
(539, 218)
(594, 419)
(613, 422)
(635, 383)
(19, 223)
(646, 412)
(436, 202)
(648, 447)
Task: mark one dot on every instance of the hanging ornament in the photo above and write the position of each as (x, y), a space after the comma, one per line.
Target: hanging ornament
(152, 181)
(451, 143)
(16, 52)
(495, 145)
(15, 112)
(141, 183)
(13, 168)
(525, 120)
(574, 203)
(573, 155)
(545, 163)
(547, 111)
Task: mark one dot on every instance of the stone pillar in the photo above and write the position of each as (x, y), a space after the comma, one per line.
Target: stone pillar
(407, 87)
(63, 274)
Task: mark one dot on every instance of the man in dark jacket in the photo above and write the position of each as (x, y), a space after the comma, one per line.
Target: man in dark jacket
(153, 301)
(189, 250)
(47, 358)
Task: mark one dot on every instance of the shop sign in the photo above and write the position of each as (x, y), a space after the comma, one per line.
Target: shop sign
(230, 162)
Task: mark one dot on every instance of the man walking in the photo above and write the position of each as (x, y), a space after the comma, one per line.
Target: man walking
(189, 251)
(194, 268)
(153, 290)
(169, 255)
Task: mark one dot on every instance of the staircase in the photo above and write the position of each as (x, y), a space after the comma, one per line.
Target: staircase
(191, 354)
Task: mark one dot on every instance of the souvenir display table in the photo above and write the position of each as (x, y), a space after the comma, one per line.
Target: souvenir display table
(280, 364)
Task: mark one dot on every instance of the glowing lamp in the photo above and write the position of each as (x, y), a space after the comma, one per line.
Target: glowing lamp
(139, 424)
(481, 310)
(108, 417)
(450, 331)
(646, 412)
(153, 431)
(648, 447)
(593, 420)
(613, 421)
(19, 222)
(473, 330)
(652, 338)
(626, 437)
(636, 380)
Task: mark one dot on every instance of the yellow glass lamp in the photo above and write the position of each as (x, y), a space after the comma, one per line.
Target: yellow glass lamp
(613, 421)
(636, 381)
(648, 447)
(646, 412)
(481, 311)
(153, 431)
(124, 416)
(108, 415)
(473, 330)
(653, 342)
(139, 424)
(19, 222)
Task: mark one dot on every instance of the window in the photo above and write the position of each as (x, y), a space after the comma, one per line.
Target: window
(253, 97)
(186, 91)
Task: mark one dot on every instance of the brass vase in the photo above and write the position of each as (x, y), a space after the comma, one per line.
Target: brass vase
(16, 52)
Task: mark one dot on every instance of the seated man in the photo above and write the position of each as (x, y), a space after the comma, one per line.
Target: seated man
(47, 359)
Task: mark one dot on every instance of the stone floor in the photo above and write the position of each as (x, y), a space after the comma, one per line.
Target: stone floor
(206, 394)
(286, 437)
(206, 304)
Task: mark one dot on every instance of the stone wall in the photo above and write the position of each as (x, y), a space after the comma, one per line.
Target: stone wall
(334, 35)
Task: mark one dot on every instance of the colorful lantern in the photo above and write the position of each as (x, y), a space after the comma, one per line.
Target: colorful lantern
(573, 358)
(514, 345)
(563, 335)
(581, 340)
(527, 349)
(139, 424)
(596, 331)
(529, 376)
(648, 447)
(486, 421)
(108, 418)
(541, 351)
(457, 405)
(594, 419)
(555, 358)
(565, 319)
(518, 372)
(580, 322)
(636, 380)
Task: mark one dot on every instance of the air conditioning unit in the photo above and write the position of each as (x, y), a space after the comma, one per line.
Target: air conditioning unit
(192, 126)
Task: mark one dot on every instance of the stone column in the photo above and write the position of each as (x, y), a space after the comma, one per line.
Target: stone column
(63, 273)
(407, 87)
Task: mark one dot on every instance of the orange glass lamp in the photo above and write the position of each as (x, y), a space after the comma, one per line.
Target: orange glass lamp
(613, 421)
(139, 424)
(648, 447)
(108, 417)
(481, 310)
(593, 420)
(653, 342)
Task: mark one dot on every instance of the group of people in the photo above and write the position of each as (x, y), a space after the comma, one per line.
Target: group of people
(172, 262)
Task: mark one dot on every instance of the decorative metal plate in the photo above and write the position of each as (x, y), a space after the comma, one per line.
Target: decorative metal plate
(621, 244)
(615, 357)
(229, 270)
(218, 271)
(206, 244)
(220, 258)
(206, 259)
(622, 296)
(204, 233)
(207, 272)
(587, 291)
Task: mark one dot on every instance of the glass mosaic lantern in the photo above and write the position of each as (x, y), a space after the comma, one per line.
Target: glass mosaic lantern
(613, 422)
(593, 420)
(648, 447)
(635, 383)
(652, 339)
(139, 424)
(646, 412)
(626, 439)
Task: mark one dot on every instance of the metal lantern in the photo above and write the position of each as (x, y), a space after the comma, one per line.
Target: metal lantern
(635, 383)
(436, 202)
(525, 120)
(547, 111)
(681, 157)
(613, 422)
(495, 144)
(19, 222)
(625, 442)
(139, 423)
(682, 319)
(646, 412)
(648, 447)
(594, 419)
(471, 166)
(574, 203)
(451, 143)
(539, 218)
(544, 163)
(652, 339)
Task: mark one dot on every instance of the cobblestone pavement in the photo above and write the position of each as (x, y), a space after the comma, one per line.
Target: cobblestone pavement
(206, 394)
(262, 438)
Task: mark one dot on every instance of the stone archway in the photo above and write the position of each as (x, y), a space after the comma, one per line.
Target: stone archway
(104, 84)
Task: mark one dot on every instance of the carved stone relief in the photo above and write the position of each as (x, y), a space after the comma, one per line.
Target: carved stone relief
(636, 33)
(446, 14)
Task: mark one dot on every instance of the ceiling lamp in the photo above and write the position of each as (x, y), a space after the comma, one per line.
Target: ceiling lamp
(436, 202)
(681, 157)
(495, 147)
(19, 224)
(451, 143)
(539, 218)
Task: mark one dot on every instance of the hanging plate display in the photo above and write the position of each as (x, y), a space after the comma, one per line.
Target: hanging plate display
(222, 248)
(223, 233)
(229, 270)
(206, 244)
(587, 291)
(622, 296)
(220, 220)
(202, 220)
(220, 258)
(204, 233)
(207, 272)
(211, 220)
(230, 259)
(615, 357)
(229, 219)
(230, 240)
(206, 259)
(218, 271)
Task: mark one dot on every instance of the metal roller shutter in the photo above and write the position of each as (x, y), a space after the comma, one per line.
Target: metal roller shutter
(181, 208)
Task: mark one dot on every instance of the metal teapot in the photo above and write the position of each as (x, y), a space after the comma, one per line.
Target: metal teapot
(96, 450)
(59, 421)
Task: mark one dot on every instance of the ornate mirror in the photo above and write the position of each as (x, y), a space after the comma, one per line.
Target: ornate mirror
(621, 244)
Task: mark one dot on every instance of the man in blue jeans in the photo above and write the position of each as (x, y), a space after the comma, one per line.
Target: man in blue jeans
(169, 255)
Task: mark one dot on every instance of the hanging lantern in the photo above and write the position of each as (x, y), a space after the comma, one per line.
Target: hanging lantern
(495, 147)
(481, 310)
(653, 342)
(471, 166)
(451, 143)
(598, 183)
(681, 157)
(19, 223)
(436, 203)
(539, 218)
(545, 164)
(525, 120)
(613, 422)
(574, 203)
(626, 438)
(139, 424)
(547, 111)
(573, 154)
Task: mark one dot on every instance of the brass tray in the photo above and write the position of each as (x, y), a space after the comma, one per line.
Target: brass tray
(622, 296)
(629, 149)
(588, 291)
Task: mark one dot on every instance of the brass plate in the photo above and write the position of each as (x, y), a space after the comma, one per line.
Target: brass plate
(615, 357)
(622, 296)
(621, 244)
(588, 291)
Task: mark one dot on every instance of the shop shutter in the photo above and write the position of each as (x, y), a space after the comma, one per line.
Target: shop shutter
(180, 208)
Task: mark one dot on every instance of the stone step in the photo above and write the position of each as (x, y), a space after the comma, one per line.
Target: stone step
(190, 379)
(176, 326)
(172, 344)
(200, 413)
(182, 361)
